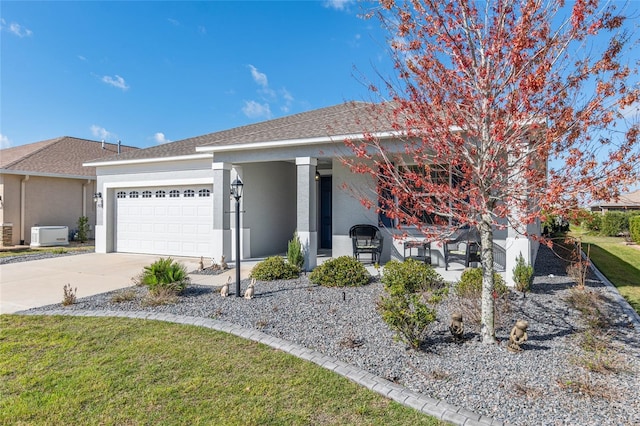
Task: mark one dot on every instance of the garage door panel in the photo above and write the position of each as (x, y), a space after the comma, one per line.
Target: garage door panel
(160, 211)
(189, 229)
(174, 226)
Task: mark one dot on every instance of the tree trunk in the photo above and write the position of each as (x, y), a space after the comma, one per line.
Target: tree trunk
(487, 330)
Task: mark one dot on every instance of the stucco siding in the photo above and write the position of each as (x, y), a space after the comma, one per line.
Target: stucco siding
(112, 178)
(119, 170)
(52, 201)
(269, 204)
(347, 209)
(11, 204)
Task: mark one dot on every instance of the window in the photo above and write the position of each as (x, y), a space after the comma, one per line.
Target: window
(189, 193)
(146, 194)
(204, 193)
(121, 194)
(174, 193)
(413, 205)
(133, 194)
(160, 194)
(439, 174)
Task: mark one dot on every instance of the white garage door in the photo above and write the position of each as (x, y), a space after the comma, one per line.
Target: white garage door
(175, 221)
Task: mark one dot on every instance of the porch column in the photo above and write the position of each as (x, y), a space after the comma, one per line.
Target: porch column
(516, 244)
(221, 211)
(517, 241)
(307, 210)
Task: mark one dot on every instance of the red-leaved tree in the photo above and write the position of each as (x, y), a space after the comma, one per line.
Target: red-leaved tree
(499, 111)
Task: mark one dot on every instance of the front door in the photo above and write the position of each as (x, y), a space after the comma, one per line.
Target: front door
(325, 212)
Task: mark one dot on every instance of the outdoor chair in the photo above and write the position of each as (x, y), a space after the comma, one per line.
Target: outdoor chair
(463, 246)
(366, 239)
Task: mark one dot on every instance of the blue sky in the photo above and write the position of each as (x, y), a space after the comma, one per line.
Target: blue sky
(149, 72)
(152, 72)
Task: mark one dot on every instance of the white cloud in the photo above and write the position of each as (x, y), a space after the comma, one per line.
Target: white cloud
(160, 138)
(173, 22)
(202, 30)
(338, 4)
(101, 133)
(288, 100)
(253, 109)
(5, 142)
(82, 58)
(258, 77)
(116, 81)
(16, 29)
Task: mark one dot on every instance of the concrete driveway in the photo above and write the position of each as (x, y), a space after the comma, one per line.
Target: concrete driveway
(35, 283)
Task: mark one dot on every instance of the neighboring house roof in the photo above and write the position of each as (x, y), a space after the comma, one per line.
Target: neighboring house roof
(338, 120)
(625, 200)
(62, 156)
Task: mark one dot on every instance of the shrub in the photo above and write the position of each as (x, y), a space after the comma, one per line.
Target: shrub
(295, 256)
(274, 268)
(554, 224)
(614, 223)
(123, 296)
(83, 228)
(593, 222)
(165, 274)
(522, 274)
(343, 271)
(69, 295)
(410, 276)
(160, 296)
(412, 286)
(470, 284)
(408, 316)
(634, 228)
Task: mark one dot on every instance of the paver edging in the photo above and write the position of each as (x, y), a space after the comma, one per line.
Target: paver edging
(384, 387)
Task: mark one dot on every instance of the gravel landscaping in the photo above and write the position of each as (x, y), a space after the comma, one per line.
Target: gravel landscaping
(547, 383)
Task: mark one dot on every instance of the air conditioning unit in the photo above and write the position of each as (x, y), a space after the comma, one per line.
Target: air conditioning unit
(47, 236)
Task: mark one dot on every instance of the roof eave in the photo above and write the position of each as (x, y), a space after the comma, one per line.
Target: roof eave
(294, 142)
(147, 160)
(44, 174)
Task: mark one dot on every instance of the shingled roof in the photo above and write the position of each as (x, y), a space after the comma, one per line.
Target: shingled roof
(61, 156)
(343, 119)
(630, 200)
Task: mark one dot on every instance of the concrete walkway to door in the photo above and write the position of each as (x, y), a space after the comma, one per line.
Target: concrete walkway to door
(26, 285)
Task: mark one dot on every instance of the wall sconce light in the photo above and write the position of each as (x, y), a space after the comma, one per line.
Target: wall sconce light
(97, 198)
(317, 176)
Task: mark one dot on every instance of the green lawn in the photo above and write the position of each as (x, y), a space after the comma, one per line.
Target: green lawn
(619, 262)
(74, 370)
(55, 250)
